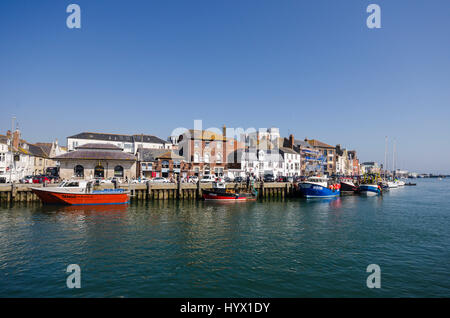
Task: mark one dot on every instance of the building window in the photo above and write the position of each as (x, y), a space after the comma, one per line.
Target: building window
(207, 157)
(99, 172)
(165, 164)
(196, 157)
(118, 172)
(219, 158)
(79, 171)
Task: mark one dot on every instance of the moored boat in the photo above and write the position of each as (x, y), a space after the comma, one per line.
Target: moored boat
(348, 185)
(319, 187)
(80, 192)
(370, 185)
(369, 189)
(219, 192)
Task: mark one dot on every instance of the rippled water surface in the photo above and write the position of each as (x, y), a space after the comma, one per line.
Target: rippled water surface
(293, 248)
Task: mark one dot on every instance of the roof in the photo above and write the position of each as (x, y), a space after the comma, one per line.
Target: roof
(288, 150)
(119, 137)
(36, 151)
(99, 146)
(317, 143)
(97, 152)
(148, 138)
(45, 146)
(154, 154)
(205, 135)
(102, 136)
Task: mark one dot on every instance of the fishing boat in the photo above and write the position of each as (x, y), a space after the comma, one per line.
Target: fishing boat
(369, 189)
(370, 186)
(80, 192)
(319, 187)
(219, 192)
(348, 185)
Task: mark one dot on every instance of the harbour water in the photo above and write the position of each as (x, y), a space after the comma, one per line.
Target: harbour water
(279, 248)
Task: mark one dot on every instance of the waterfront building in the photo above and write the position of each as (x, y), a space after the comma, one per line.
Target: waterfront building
(207, 152)
(97, 160)
(347, 163)
(291, 156)
(370, 167)
(261, 162)
(328, 152)
(353, 163)
(18, 160)
(161, 163)
(129, 143)
(311, 160)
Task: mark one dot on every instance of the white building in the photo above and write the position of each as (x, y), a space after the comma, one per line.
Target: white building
(262, 162)
(129, 143)
(292, 162)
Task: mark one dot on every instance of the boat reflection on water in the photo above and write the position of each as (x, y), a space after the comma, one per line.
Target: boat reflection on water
(113, 209)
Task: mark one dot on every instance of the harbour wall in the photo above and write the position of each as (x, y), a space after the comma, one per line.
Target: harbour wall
(160, 191)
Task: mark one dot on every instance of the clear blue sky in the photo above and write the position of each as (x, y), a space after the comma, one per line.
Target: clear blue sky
(312, 68)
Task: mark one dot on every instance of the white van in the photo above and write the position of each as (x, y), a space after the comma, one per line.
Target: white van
(208, 178)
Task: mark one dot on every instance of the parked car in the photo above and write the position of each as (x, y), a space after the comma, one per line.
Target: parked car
(41, 179)
(193, 179)
(208, 178)
(281, 179)
(159, 180)
(269, 178)
(26, 179)
(238, 179)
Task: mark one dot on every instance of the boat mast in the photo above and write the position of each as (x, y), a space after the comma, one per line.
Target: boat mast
(393, 160)
(11, 148)
(385, 156)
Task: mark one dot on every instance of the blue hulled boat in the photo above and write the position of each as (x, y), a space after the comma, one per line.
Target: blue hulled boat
(369, 189)
(318, 187)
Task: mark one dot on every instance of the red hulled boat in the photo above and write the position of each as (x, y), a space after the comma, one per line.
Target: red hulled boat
(80, 192)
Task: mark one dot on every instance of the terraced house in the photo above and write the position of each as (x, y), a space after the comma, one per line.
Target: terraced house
(161, 163)
(328, 153)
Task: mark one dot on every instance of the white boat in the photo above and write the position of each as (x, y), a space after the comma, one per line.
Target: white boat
(392, 184)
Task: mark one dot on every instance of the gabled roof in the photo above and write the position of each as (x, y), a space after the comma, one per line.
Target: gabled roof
(45, 146)
(317, 143)
(288, 150)
(36, 151)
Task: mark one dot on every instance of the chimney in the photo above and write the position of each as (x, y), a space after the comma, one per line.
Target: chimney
(291, 141)
(16, 139)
